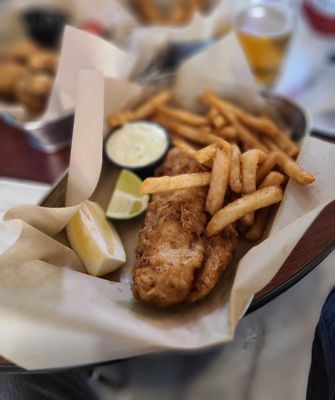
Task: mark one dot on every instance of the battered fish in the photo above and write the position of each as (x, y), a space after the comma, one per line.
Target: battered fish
(175, 261)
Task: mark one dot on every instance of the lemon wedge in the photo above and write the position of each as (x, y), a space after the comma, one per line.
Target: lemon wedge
(127, 201)
(95, 241)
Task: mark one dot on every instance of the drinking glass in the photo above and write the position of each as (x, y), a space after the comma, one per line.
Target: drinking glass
(264, 29)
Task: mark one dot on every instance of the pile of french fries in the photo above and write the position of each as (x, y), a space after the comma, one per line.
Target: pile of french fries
(179, 12)
(246, 159)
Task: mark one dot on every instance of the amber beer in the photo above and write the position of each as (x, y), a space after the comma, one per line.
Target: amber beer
(264, 31)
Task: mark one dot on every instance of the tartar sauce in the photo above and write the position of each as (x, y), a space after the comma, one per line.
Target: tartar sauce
(137, 144)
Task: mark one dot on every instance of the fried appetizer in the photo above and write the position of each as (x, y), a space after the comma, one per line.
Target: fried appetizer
(10, 74)
(43, 61)
(22, 51)
(33, 91)
(175, 261)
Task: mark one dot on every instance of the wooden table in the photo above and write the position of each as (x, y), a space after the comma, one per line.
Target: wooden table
(19, 160)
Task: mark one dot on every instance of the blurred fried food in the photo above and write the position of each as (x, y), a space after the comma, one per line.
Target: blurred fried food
(44, 61)
(33, 90)
(10, 73)
(27, 74)
(21, 52)
(175, 12)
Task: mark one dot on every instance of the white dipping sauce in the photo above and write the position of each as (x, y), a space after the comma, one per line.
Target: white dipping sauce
(137, 144)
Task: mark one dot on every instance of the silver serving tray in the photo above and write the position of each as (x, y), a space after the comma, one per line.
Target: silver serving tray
(47, 137)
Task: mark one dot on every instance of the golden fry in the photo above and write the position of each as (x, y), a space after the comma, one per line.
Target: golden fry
(227, 132)
(205, 154)
(270, 144)
(212, 113)
(235, 182)
(168, 183)
(250, 161)
(183, 116)
(177, 13)
(248, 138)
(215, 118)
(141, 112)
(184, 146)
(282, 139)
(258, 227)
(249, 203)
(149, 10)
(290, 167)
(274, 178)
(262, 124)
(186, 131)
(209, 98)
(219, 180)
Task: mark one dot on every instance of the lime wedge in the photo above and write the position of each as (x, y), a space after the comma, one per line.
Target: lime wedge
(127, 201)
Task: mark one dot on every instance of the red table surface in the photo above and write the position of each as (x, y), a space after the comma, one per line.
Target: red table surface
(19, 160)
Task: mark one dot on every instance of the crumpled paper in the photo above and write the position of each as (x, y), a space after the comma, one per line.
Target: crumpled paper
(55, 316)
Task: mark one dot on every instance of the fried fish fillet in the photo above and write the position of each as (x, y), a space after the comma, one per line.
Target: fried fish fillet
(219, 252)
(175, 261)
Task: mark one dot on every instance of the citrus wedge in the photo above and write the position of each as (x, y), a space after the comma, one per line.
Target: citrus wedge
(127, 201)
(95, 241)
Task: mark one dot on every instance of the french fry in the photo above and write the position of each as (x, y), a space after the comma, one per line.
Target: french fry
(258, 227)
(215, 118)
(206, 154)
(186, 131)
(268, 128)
(282, 139)
(152, 104)
(235, 182)
(148, 10)
(262, 124)
(249, 203)
(250, 161)
(209, 98)
(120, 118)
(177, 13)
(270, 144)
(248, 138)
(190, 7)
(274, 178)
(227, 132)
(289, 167)
(141, 112)
(211, 113)
(168, 183)
(184, 146)
(218, 121)
(219, 179)
(184, 116)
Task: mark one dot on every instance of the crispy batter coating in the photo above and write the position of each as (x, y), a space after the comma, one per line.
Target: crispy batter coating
(21, 52)
(33, 90)
(44, 61)
(219, 252)
(10, 74)
(175, 261)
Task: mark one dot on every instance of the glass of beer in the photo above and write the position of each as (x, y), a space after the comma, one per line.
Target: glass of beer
(264, 29)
